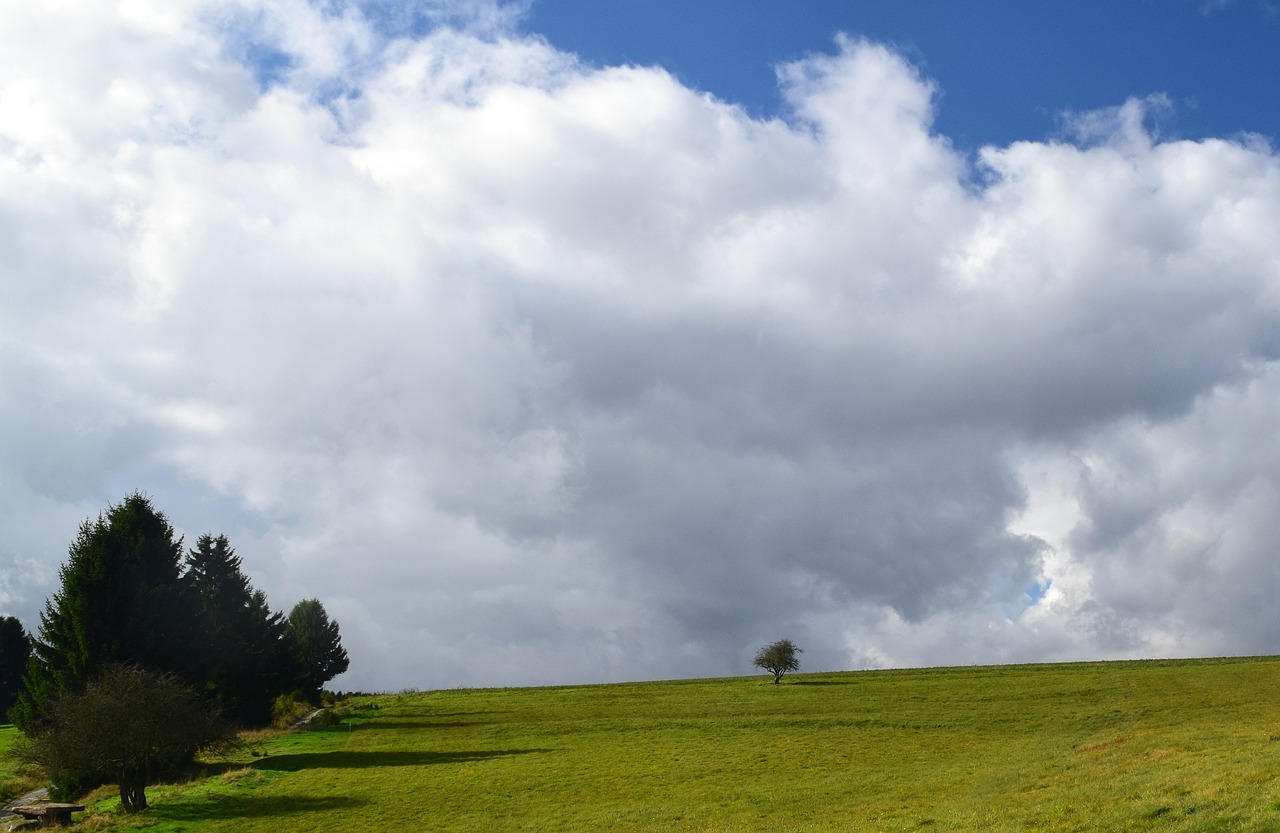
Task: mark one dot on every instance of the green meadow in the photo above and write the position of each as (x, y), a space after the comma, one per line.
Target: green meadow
(1170, 746)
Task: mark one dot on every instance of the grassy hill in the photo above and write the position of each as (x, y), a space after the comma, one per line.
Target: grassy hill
(1184, 745)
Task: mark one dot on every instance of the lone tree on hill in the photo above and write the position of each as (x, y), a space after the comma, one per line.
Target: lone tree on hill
(778, 658)
(130, 726)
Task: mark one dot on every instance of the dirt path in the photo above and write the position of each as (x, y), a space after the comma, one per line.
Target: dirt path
(6, 816)
(306, 721)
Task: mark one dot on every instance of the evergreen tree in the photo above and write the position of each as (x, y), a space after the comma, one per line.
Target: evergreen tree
(272, 657)
(318, 643)
(247, 658)
(122, 600)
(15, 651)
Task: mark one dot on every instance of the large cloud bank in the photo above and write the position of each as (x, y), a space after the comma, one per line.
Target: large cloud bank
(541, 372)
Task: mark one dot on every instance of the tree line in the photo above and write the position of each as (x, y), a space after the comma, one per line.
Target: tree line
(130, 596)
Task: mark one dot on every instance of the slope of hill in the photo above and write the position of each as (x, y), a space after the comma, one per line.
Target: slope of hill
(1176, 745)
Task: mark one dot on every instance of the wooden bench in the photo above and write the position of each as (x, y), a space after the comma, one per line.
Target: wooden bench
(48, 814)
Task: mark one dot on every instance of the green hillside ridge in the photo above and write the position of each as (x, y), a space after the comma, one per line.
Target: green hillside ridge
(1188, 745)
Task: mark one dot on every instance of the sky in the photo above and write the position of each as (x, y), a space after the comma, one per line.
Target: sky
(1005, 70)
(551, 346)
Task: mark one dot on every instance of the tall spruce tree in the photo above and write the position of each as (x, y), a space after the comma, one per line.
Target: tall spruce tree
(319, 645)
(123, 600)
(247, 656)
(273, 656)
(15, 651)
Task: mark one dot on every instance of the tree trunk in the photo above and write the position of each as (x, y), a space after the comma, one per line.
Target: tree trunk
(133, 792)
(126, 797)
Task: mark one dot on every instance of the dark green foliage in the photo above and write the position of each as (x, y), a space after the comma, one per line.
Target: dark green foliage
(778, 658)
(15, 651)
(247, 659)
(129, 725)
(126, 598)
(318, 643)
(122, 600)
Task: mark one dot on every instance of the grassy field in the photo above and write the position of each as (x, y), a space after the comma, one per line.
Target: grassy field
(1172, 746)
(15, 779)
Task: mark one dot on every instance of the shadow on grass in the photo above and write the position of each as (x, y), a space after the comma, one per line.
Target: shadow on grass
(413, 721)
(420, 725)
(362, 760)
(249, 807)
(429, 714)
(487, 712)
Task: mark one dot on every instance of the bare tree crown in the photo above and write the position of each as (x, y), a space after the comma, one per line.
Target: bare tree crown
(778, 658)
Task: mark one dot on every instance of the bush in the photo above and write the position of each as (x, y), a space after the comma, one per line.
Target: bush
(129, 726)
(28, 779)
(288, 709)
(329, 717)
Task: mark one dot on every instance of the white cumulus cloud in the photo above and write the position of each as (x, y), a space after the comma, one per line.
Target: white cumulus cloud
(534, 371)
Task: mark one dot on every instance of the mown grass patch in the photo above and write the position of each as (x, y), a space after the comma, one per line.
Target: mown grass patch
(1181, 746)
